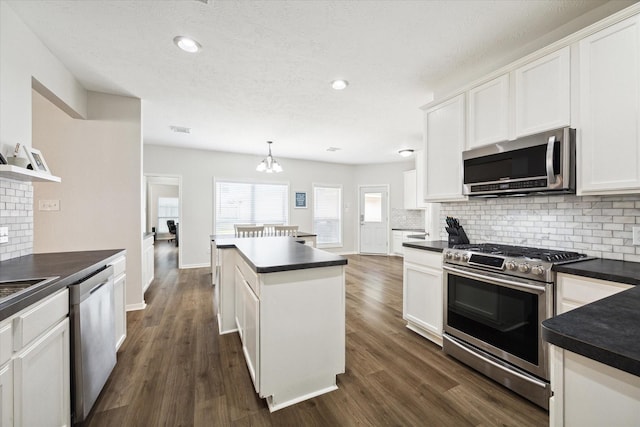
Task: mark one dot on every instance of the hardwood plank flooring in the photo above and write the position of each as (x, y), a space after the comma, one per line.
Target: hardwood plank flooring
(175, 370)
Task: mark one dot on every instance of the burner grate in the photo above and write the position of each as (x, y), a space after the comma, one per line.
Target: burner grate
(549, 255)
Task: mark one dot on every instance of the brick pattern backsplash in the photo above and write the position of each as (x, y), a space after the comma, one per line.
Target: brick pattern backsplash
(16, 212)
(599, 226)
(407, 218)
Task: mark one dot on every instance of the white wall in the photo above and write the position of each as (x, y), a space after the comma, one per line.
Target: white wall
(100, 163)
(23, 57)
(198, 169)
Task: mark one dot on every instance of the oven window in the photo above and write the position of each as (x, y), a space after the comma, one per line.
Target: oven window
(502, 317)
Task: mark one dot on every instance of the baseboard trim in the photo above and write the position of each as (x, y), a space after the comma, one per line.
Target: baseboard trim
(187, 266)
(136, 307)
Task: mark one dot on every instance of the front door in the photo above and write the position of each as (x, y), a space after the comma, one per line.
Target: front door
(374, 229)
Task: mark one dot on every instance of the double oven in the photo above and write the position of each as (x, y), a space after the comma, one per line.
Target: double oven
(495, 299)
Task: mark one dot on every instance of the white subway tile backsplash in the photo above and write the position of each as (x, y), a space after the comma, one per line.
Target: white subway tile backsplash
(16, 212)
(597, 225)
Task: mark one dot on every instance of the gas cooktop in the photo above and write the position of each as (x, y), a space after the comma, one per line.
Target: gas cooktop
(522, 261)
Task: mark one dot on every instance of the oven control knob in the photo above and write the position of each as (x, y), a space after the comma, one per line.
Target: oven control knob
(448, 255)
(456, 256)
(524, 268)
(465, 257)
(511, 265)
(538, 270)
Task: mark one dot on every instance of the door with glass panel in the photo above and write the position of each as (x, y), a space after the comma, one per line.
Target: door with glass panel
(374, 229)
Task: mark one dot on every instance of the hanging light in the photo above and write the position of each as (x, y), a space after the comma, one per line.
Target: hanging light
(269, 164)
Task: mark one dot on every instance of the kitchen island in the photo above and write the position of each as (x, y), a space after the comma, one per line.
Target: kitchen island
(286, 300)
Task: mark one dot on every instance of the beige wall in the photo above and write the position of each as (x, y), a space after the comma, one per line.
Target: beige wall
(99, 161)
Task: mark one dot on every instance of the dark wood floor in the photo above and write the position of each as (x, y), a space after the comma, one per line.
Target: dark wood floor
(175, 370)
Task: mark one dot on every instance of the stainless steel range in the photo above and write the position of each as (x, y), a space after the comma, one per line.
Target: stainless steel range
(496, 297)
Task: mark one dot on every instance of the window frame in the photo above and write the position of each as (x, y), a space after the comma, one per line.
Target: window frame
(340, 242)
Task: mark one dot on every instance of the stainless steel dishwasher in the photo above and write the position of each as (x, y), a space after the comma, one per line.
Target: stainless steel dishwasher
(93, 347)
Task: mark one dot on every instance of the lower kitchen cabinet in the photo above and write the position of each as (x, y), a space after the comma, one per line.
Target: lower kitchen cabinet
(35, 382)
(575, 291)
(422, 297)
(120, 299)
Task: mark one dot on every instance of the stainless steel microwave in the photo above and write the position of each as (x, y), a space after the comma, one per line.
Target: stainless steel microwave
(541, 163)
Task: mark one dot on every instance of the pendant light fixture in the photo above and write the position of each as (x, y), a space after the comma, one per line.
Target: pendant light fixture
(269, 164)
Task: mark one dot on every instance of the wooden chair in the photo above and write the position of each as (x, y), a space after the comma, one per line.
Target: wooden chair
(286, 230)
(250, 231)
(269, 229)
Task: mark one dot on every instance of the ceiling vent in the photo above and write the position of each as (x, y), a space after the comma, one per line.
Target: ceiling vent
(333, 149)
(180, 129)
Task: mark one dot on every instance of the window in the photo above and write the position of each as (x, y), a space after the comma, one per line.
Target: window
(167, 209)
(250, 203)
(327, 215)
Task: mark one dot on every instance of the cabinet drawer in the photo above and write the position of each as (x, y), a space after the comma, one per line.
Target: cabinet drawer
(585, 290)
(423, 257)
(248, 274)
(5, 342)
(119, 266)
(36, 320)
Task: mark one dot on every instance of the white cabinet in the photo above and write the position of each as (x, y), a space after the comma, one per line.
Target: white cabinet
(239, 299)
(147, 263)
(41, 380)
(488, 113)
(6, 394)
(37, 378)
(422, 295)
(444, 135)
(410, 190)
(251, 329)
(576, 291)
(542, 93)
(396, 245)
(120, 298)
(609, 155)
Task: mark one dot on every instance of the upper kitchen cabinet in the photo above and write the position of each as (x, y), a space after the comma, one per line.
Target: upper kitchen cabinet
(609, 91)
(444, 135)
(542, 93)
(488, 113)
(410, 191)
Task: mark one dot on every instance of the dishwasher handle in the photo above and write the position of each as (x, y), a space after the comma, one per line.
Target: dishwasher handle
(83, 289)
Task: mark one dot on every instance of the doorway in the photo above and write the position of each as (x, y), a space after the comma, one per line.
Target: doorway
(374, 219)
(163, 202)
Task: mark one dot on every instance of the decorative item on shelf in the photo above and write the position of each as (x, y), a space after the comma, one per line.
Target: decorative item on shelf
(15, 160)
(37, 160)
(269, 164)
(457, 236)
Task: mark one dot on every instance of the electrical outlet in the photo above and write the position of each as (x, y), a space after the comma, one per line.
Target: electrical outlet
(4, 234)
(636, 235)
(49, 205)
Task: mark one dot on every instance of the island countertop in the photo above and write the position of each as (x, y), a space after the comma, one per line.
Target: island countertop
(68, 267)
(273, 254)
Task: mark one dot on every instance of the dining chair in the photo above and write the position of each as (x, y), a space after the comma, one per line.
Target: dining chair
(286, 230)
(250, 231)
(269, 229)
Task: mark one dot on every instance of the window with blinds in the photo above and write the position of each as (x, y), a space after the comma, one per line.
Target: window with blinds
(249, 203)
(167, 209)
(327, 215)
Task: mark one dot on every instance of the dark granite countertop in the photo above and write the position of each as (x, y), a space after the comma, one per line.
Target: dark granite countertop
(607, 330)
(428, 245)
(69, 267)
(604, 269)
(417, 230)
(273, 254)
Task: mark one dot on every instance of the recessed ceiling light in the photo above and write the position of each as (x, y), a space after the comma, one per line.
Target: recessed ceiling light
(407, 152)
(187, 44)
(339, 84)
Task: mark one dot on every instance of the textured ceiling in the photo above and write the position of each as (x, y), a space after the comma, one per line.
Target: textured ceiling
(265, 67)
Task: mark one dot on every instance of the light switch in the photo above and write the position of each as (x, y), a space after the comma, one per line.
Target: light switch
(4, 234)
(49, 205)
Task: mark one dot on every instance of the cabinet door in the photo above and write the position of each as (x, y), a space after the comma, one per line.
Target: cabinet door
(444, 143)
(410, 189)
(488, 114)
(251, 336)
(422, 298)
(41, 380)
(609, 109)
(575, 291)
(542, 94)
(397, 243)
(6, 394)
(119, 293)
(239, 297)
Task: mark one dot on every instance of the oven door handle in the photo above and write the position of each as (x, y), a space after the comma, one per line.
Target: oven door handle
(491, 278)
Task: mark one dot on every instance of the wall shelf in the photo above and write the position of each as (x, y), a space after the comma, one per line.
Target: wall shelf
(22, 174)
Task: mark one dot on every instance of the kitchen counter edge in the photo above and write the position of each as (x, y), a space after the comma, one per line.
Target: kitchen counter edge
(428, 245)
